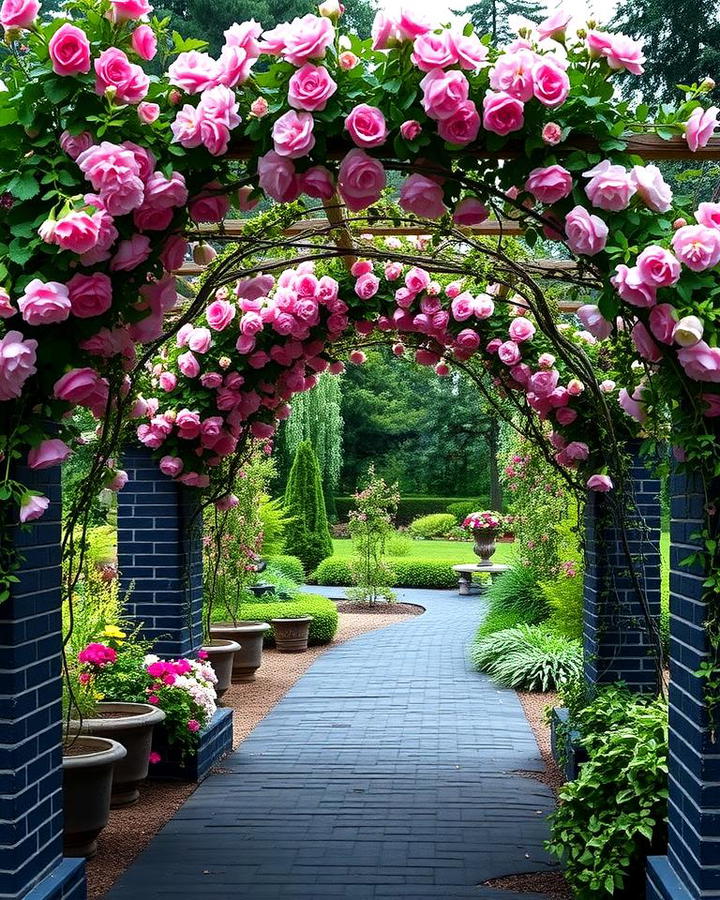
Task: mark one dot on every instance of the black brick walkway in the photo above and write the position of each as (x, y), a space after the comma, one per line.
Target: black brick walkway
(385, 772)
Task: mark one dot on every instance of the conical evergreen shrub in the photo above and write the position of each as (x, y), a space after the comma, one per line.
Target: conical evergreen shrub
(307, 535)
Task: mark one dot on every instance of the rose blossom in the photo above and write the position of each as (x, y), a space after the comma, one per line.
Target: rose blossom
(347, 60)
(366, 126)
(550, 184)
(167, 381)
(601, 483)
(171, 465)
(688, 331)
(422, 196)
(90, 295)
(144, 42)
(443, 92)
(188, 364)
(585, 233)
(632, 287)
(484, 306)
(644, 344)
(434, 51)
(633, 405)
(470, 211)
(131, 253)
(662, 320)
(114, 70)
(551, 84)
(657, 267)
(700, 362)
(310, 88)
(521, 329)
(652, 188)
(17, 363)
(115, 173)
(220, 314)
(513, 74)
(509, 352)
(48, 453)
(610, 186)
(462, 126)
(18, 13)
(502, 113)
(317, 182)
(277, 177)
(697, 246)
(361, 180)
(700, 126)
(551, 134)
(593, 320)
(209, 206)
(75, 144)
(554, 26)
(471, 52)
(69, 51)
(307, 38)
(383, 30)
(82, 386)
(77, 231)
(367, 286)
(148, 112)
(44, 303)
(32, 507)
(293, 134)
(125, 10)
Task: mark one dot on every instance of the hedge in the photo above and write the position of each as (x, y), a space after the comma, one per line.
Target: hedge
(289, 566)
(412, 507)
(324, 613)
(413, 573)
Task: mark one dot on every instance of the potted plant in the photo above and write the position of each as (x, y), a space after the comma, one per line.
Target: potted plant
(291, 635)
(484, 526)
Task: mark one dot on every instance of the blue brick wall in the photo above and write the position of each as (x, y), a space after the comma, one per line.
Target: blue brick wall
(617, 642)
(30, 706)
(694, 828)
(160, 550)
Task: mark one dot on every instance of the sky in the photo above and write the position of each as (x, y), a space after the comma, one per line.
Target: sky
(601, 10)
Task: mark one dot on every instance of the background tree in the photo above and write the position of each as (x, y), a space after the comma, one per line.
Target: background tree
(307, 535)
(681, 41)
(491, 16)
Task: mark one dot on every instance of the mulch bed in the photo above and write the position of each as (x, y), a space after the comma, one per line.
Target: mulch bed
(550, 884)
(380, 609)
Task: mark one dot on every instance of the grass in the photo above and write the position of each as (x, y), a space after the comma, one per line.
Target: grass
(454, 552)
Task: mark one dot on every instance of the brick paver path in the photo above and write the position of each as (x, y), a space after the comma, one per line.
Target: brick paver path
(386, 771)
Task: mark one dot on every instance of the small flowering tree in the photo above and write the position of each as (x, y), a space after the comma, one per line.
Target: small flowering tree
(370, 524)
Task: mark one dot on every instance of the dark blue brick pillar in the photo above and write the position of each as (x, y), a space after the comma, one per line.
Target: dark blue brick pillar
(31, 715)
(160, 550)
(691, 870)
(618, 642)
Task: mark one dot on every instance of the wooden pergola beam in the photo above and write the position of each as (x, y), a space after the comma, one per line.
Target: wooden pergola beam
(493, 227)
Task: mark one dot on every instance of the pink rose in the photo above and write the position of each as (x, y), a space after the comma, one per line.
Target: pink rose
(114, 70)
(471, 52)
(69, 51)
(502, 113)
(601, 483)
(662, 320)
(550, 184)
(75, 144)
(565, 415)
(17, 363)
(115, 173)
(382, 31)
(131, 253)
(508, 352)
(199, 340)
(310, 88)
(700, 126)
(577, 450)
(307, 38)
(347, 60)
(462, 126)
(544, 382)
(48, 453)
(187, 423)
(463, 306)
(77, 232)
(220, 314)
(467, 341)
(293, 134)
(366, 126)
(125, 10)
(586, 234)
(361, 180)
(188, 364)
(83, 387)
(318, 182)
(657, 267)
(410, 24)
(277, 177)
(194, 72)
(697, 246)
(652, 188)
(18, 13)
(245, 36)
(470, 211)
(173, 253)
(521, 329)
(32, 507)
(621, 52)
(234, 67)
(513, 74)
(633, 405)
(644, 344)
(90, 295)
(700, 362)
(148, 113)
(367, 286)
(551, 134)
(610, 187)
(484, 306)
(632, 287)
(411, 129)
(7, 310)
(422, 196)
(167, 382)
(171, 465)
(434, 51)
(554, 26)
(551, 84)
(162, 192)
(708, 214)
(594, 321)
(210, 206)
(443, 92)
(44, 303)
(144, 42)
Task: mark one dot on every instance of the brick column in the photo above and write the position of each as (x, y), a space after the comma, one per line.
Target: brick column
(160, 551)
(691, 870)
(618, 644)
(31, 716)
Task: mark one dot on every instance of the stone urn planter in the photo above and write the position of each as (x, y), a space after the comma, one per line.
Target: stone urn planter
(250, 637)
(88, 764)
(291, 635)
(131, 725)
(221, 656)
(484, 545)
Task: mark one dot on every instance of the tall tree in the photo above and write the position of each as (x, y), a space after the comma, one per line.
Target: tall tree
(358, 17)
(491, 16)
(307, 535)
(681, 40)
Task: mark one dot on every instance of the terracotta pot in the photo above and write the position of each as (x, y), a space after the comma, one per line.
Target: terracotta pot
(250, 637)
(484, 546)
(291, 635)
(130, 724)
(87, 783)
(221, 656)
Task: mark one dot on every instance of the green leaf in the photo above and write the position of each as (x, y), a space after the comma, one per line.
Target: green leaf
(24, 186)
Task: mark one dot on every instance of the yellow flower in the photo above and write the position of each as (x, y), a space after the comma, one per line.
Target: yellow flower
(112, 631)
(99, 696)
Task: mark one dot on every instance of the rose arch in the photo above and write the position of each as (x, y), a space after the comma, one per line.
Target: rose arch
(108, 171)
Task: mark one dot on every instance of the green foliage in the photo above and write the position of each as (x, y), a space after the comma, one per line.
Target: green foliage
(564, 597)
(308, 537)
(491, 16)
(398, 544)
(324, 613)
(518, 590)
(528, 657)
(411, 507)
(273, 521)
(415, 573)
(370, 524)
(614, 814)
(434, 525)
(289, 566)
(101, 544)
(461, 509)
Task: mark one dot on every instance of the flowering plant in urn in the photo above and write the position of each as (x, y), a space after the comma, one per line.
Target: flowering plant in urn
(485, 527)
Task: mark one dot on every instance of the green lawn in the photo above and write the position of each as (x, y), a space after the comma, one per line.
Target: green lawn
(454, 552)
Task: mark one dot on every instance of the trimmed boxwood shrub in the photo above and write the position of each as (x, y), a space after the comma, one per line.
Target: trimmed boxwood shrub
(435, 525)
(289, 566)
(412, 507)
(415, 573)
(324, 613)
